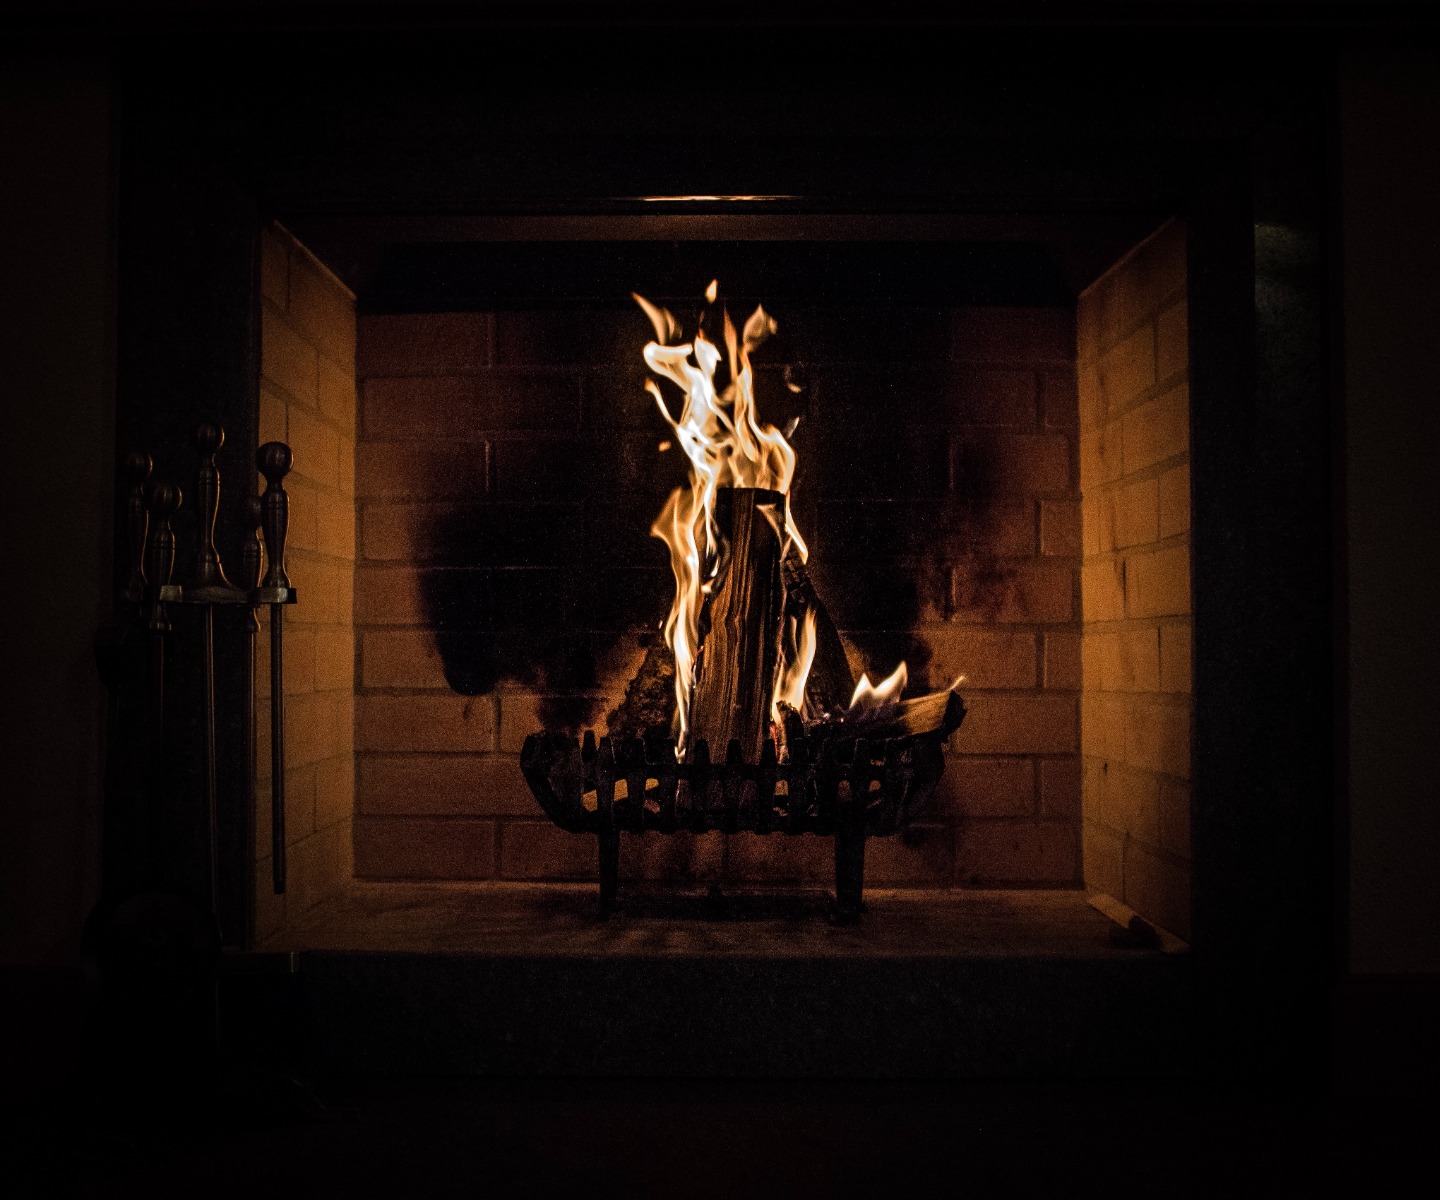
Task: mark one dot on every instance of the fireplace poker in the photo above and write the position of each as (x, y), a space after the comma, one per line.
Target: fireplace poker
(162, 500)
(251, 565)
(273, 459)
(208, 587)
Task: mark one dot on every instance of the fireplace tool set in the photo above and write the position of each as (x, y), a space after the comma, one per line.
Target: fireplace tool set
(149, 592)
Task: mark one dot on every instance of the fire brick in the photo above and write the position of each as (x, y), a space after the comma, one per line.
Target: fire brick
(987, 787)
(1101, 458)
(1104, 856)
(321, 309)
(1158, 430)
(987, 659)
(299, 663)
(1157, 737)
(685, 858)
(287, 360)
(1158, 886)
(1136, 514)
(388, 596)
(1175, 656)
(1060, 527)
(1174, 501)
(1059, 399)
(1016, 852)
(274, 416)
(581, 336)
(421, 848)
(1127, 370)
(400, 658)
(425, 722)
(320, 865)
(335, 525)
(410, 470)
(1102, 589)
(1090, 403)
(337, 395)
(334, 790)
(1044, 593)
(423, 343)
(299, 807)
(1172, 348)
(426, 785)
(1158, 584)
(1131, 292)
(1062, 661)
(1060, 788)
(538, 850)
(921, 855)
(466, 406)
(1031, 724)
(322, 726)
(793, 860)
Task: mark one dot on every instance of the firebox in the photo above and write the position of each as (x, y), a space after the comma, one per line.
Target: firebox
(983, 324)
(961, 517)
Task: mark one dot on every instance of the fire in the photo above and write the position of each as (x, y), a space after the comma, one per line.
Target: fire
(727, 446)
(798, 656)
(871, 695)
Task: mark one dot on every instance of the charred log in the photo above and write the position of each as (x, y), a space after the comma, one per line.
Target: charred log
(648, 708)
(740, 651)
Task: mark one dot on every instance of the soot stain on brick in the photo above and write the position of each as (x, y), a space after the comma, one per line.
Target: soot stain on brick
(537, 587)
(545, 623)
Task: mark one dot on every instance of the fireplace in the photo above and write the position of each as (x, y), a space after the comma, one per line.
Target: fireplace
(991, 344)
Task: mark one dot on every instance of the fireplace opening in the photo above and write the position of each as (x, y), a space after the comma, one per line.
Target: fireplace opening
(991, 439)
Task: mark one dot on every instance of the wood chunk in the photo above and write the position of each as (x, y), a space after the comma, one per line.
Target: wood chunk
(740, 651)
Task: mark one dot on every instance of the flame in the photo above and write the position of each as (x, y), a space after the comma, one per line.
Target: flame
(726, 446)
(790, 680)
(877, 695)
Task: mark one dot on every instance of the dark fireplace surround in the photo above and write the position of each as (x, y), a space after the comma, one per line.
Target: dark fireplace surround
(961, 243)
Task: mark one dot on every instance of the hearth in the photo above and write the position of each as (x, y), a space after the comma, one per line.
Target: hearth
(1024, 371)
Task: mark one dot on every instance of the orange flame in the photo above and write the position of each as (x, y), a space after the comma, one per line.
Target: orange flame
(727, 446)
(877, 695)
(797, 657)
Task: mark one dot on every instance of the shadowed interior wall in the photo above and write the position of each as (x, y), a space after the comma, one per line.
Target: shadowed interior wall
(57, 343)
(508, 472)
(307, 398)
(1135, 480)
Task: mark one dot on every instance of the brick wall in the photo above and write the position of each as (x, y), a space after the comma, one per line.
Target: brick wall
(507, 473)
(1135, 582)
(307, 398)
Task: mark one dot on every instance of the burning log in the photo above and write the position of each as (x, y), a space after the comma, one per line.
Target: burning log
(648, 708)
(735, 679)
(936, 713)
(754, 660)
(830, 684)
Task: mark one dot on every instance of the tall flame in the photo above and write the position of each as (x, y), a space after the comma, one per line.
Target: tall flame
(727, 446)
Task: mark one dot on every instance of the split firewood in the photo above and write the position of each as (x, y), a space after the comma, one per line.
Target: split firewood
(740, 653)
(936, 713)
